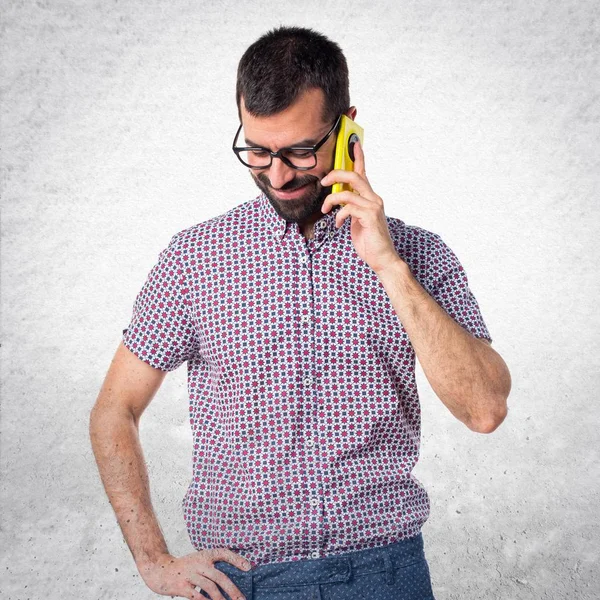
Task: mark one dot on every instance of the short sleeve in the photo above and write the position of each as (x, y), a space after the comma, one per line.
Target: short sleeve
(447, 283)
(161, 331)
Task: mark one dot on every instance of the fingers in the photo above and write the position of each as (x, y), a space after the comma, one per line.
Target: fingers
(344, 198)
(357, 178)
(229, 556)
(359, 159)
(172, 576)
(358, 182)
(215, 576)
(212, 583)
(187, 590)
(192, 593)
(226, 584)
(208, 586)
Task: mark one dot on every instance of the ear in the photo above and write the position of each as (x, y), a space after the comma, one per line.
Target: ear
(351, 112)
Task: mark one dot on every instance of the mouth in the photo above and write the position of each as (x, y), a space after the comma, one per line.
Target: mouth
(289, 195)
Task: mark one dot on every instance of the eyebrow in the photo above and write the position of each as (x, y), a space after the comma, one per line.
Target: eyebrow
(301, 144)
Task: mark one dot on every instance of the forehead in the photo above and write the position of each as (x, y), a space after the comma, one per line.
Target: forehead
(302, 120)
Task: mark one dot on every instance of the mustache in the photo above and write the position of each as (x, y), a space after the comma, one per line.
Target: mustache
(294, 184)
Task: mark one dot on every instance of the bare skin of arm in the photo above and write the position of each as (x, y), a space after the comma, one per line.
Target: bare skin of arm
(128, 389)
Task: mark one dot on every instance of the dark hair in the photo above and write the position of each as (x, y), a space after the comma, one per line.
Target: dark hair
(284, 63)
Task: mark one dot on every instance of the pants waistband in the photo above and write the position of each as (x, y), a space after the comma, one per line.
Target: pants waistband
(330, 569)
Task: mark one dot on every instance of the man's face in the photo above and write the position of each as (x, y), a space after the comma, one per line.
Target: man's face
(295, 195)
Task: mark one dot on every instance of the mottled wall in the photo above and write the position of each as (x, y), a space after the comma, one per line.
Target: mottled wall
(481, 124)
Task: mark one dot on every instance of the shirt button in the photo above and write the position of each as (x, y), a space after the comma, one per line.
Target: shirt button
(322, 224)
(315, 554)
(310, 443)
(307, 381)
(303, 260)
(305, 318)
(314, 501)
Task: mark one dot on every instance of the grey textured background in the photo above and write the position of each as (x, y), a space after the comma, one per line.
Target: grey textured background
(481, 124)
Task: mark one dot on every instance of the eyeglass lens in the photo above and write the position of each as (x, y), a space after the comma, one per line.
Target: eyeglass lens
(260, 158)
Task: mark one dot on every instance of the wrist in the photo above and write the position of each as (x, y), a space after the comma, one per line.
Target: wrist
(394, 268)
(149, 561)
(404, 291)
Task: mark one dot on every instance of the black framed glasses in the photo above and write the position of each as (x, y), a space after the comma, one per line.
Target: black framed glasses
(302, 158)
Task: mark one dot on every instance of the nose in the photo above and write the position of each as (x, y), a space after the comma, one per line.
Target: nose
(280, 173)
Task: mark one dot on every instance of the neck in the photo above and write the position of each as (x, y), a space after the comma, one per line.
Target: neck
(307, 228)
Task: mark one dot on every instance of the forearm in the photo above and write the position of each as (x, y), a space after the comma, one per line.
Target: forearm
(116, 445)
(468, 376)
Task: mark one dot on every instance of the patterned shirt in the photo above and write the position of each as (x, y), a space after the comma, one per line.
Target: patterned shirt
(301, 378)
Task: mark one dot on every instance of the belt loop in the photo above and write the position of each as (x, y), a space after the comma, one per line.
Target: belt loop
(389, 568)
(348, 575)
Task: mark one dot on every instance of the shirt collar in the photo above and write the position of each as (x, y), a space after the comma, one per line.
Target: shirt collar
(278, 226)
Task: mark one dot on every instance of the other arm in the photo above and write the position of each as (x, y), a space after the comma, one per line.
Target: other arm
(128, 388)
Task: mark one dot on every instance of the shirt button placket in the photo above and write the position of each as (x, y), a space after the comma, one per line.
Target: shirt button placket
(311, 425)
(321, 234)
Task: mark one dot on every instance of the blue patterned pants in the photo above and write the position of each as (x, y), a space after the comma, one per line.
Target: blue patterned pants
(395, 572)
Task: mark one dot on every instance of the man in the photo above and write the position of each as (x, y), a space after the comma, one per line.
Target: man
(300, 321)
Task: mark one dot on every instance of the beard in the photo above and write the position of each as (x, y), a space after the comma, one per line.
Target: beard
(295, 210)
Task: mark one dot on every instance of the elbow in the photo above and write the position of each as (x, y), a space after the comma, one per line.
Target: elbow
(96, 424)
(490, 422)
(488, 425)
(497, 409)
(106, 419)
(92, 421)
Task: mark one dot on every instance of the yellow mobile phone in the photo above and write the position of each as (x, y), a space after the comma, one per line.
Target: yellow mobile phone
(349, 133)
